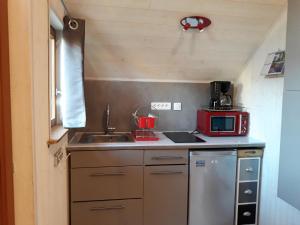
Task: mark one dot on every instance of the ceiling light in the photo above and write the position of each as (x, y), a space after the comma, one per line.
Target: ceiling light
(195, 22)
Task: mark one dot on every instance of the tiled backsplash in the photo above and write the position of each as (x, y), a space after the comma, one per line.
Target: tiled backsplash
(125, 97)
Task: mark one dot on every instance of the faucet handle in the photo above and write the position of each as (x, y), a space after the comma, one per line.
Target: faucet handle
(111, 129)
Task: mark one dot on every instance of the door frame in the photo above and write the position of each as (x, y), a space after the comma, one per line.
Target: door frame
(6, 163)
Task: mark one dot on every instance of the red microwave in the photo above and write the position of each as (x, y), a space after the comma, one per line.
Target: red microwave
(223, 123)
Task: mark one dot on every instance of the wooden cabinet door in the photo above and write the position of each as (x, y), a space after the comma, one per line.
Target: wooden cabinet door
(292, 70)
(107, 183)
(166, 157)
(289, 167)
(117, 212)
(165, 195)
(89, 159)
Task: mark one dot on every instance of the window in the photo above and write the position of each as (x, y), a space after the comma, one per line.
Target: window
(53, 79)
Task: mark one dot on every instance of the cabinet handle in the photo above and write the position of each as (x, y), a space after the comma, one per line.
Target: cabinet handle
(107, 174)
(248, 192)
(166, 172)
(117, 207)
(252, 152)
(247, 214)
(249, 170)
(240, 128)
(166, 157)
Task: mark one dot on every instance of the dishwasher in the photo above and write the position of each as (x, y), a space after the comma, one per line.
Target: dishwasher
(212, 187)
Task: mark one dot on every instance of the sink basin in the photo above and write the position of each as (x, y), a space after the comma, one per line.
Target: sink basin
(89, 138)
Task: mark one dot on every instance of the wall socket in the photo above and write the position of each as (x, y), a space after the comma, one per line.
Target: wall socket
(177, 106)
(58, 156)
(161, 106)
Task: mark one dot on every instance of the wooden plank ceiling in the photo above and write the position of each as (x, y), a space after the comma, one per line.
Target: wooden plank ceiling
(142, 39)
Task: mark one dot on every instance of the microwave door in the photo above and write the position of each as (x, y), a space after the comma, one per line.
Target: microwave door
(223, 124)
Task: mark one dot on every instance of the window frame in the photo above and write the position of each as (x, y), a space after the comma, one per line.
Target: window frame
(53, 100)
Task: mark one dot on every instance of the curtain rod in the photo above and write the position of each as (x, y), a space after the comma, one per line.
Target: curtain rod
(65, 7)
(73, 24)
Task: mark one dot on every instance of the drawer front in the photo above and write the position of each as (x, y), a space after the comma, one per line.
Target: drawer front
(249, 169)
(124, 212)
(90, 184)
(166, 195)
(165, 157)
(247, 214)
(247, 153)
(106, 158)
(247, 192)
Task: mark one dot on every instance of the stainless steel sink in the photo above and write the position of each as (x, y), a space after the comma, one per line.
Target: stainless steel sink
(88, 138)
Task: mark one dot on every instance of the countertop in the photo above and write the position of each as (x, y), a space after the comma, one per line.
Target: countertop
(166, 143)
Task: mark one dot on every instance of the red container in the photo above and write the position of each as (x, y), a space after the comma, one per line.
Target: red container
(144, 135)
(144, 122)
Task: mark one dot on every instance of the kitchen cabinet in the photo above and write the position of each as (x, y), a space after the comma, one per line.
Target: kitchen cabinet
(165, 157)
(289, 178)
(248, 192)
(91, 184)
(247, 214)
(292, 69)
(129, 187)
(249, 169)
(150, 187)
(88, 159)
(248, 186)
(107, 187)
(165, 187)
(289, 167)
(165, 195)
(120, 212)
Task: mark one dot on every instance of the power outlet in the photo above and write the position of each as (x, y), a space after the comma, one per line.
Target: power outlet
(161, 106)
(58, 156)
(177, 106)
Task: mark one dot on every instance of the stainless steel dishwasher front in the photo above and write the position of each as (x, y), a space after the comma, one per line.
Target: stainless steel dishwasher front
(212, 187)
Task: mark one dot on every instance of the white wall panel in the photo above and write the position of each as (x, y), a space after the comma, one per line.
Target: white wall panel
(263, 98)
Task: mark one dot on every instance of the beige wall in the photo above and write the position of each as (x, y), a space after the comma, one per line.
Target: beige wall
(41, 195)
(21, 103)
(263, 98)
(50, 182)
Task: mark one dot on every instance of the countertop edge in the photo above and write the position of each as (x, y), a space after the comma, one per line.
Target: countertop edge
(165, 143)
(162, 147)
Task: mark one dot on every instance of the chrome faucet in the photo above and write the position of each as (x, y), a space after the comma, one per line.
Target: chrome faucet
(108, 129)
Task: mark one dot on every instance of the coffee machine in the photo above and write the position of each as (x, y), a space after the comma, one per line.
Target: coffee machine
(221, 95)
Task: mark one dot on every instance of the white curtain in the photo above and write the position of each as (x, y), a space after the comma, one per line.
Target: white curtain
(72, 75)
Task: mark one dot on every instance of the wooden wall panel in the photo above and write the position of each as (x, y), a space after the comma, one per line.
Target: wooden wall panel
(20, 42)
(6, 166)
(51, 183)
(149, 29)
(40, 188)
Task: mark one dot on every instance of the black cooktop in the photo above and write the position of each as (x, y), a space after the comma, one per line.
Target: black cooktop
(183, 137)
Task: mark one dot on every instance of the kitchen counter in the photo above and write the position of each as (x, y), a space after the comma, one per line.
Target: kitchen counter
(166, 143)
